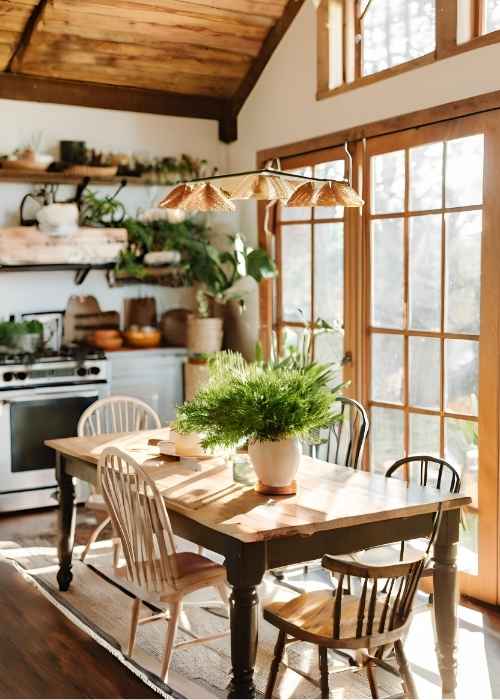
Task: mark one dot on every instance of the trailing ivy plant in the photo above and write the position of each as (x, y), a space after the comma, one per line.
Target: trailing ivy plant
(256, 402)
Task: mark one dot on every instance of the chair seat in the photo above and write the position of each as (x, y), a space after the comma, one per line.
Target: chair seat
(194, 571)
(310, 617)
(96, 502)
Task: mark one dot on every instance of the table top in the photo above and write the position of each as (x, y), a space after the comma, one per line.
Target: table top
(328, 496)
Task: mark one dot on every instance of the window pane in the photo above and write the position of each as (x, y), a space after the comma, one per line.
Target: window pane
(424, 434)
(296, 213)
(387, 368)
(462, 365)
(426, 177)
(395, 31)
(464, 171)
(425, 272)
(386, 437)
(463, 271)
(334, 170)
(492, 15)
(329, 347)
(329, 272)
(424, 372)
(387, 273)
(388, 182)
(296, 272)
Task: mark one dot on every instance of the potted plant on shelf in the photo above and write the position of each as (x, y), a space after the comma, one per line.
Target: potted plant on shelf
(269, 406)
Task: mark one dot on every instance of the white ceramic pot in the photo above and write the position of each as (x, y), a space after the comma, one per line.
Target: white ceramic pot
(276, 462)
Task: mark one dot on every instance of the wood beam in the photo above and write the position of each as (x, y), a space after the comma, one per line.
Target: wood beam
(21, 87)
(29, 28)
(446, 27)
(268, 47)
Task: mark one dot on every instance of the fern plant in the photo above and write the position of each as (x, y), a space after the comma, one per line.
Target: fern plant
(251, 402)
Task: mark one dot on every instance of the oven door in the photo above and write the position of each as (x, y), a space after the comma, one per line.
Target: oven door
(28, 418)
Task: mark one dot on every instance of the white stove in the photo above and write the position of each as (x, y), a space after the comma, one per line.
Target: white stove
(42, 397)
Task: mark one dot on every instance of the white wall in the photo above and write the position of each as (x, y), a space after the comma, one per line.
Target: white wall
(109, 130)
(283, 108)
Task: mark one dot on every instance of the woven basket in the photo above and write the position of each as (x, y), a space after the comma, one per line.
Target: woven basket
(204, 335)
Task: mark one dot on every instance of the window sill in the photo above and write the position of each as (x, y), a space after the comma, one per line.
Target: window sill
(425, 60)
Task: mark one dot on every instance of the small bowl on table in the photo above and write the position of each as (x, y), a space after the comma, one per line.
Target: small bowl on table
(106, 339)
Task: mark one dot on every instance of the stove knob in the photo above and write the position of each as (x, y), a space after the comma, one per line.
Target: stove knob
(95, 370)
(21, 375)
(8, 376)
(81, 372)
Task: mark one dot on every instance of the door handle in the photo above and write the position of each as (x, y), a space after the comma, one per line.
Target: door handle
(347, 359)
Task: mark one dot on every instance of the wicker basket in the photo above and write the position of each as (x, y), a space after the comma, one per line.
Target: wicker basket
(204, 335)
(195, 377)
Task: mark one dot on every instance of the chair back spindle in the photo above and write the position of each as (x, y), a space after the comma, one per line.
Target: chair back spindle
(346, 438)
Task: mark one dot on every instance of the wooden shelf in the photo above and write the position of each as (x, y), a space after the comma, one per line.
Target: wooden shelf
(81, 269)
(51, 178)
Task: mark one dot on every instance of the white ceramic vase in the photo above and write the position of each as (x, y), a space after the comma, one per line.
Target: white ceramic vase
(276, 463)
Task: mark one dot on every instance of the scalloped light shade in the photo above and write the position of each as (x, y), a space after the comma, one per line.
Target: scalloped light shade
(347, 195)
(303, 195)
(261, 186)
(176, 197)
(207, 197)
(328, 194)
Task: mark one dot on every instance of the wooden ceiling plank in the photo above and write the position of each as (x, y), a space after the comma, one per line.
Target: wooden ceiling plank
(272, 9)
(160, 64)
(169, 56)
(20, 87)
(99, 27)
(182, 83)
(268, 47)
(172, 14)
(30, 28)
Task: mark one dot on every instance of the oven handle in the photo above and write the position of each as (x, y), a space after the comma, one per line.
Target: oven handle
(52, 395)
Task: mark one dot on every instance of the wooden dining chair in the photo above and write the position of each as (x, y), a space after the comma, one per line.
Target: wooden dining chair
(152, 569)
(371, 619)
(115, 414)
(345, 442)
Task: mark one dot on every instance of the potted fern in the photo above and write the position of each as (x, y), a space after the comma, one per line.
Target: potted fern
(271, 407)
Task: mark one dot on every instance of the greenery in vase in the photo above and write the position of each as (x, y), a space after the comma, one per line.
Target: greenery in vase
(11, 330)
(256, 402)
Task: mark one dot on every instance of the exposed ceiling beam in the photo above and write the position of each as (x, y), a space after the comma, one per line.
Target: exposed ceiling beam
(22, 87)
(268, 47)
(29, 28)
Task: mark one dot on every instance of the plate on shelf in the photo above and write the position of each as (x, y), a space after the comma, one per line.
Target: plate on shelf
(92, 170)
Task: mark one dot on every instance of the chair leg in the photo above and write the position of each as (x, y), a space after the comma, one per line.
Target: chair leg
(275, 665)
(370, 671)
(175, 610)
(222, 590)
(94, 535)
(323, 667)
(404, 669)
(136, 605)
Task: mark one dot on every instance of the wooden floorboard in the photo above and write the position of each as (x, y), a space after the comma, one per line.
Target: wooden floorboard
(43, 655)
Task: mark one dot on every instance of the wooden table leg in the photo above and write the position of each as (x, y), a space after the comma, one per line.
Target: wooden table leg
(66, 524)
(245, 572)
(445, 601)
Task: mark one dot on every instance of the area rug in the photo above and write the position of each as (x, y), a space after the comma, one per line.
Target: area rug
(102, 609)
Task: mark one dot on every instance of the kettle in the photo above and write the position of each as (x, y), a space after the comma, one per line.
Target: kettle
(42, 197)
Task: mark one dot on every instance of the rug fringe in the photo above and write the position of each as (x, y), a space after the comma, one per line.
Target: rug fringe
(88, 630)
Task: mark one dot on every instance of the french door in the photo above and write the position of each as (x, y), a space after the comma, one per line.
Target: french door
(432, 232)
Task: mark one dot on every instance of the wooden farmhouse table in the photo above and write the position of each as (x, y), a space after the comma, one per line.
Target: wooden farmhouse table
(336, 510)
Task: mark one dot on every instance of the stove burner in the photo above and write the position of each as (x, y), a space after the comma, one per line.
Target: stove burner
(78, 353)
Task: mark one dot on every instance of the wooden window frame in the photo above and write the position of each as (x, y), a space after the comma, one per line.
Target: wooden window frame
(486, 109)
(449, 42)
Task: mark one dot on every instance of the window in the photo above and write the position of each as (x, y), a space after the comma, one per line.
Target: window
(392, 32)
(310, 255)
(361, 41)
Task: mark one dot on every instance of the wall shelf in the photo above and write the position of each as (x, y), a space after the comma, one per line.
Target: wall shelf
(81, 270)
(52, 178)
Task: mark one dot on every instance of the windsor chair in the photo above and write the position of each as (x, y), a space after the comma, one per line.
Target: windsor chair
(370, 620)
(152, 569)
(115, 414)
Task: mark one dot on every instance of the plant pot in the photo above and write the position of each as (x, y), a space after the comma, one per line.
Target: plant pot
(195, 377)
(276, 464)
(204, 335)
(29, 342)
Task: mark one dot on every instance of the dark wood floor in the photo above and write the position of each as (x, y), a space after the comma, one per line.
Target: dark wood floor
(42, 654)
